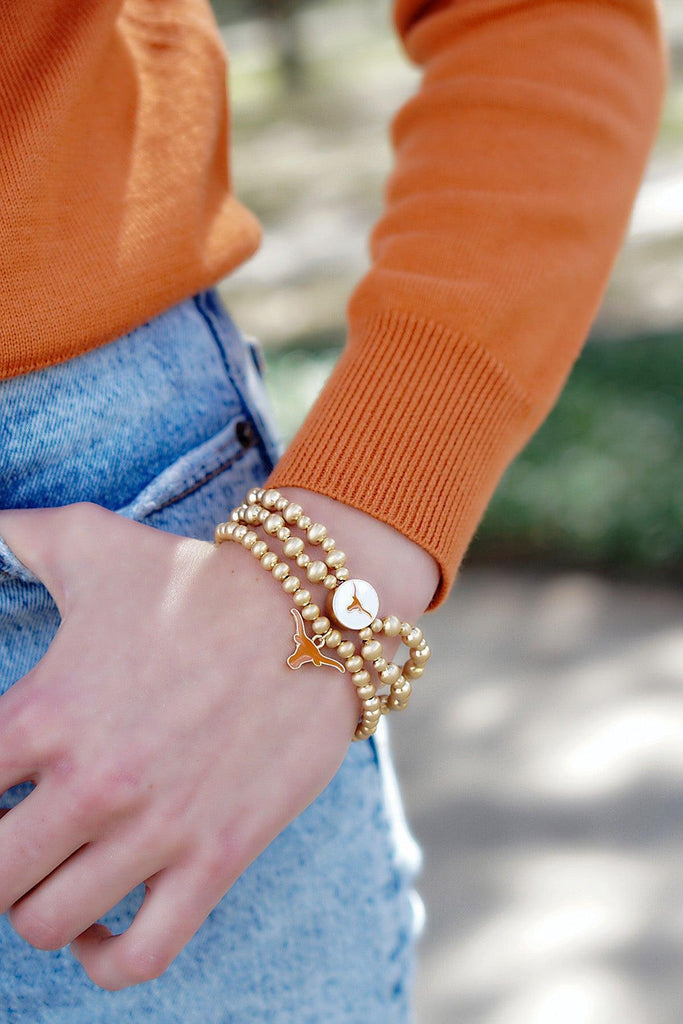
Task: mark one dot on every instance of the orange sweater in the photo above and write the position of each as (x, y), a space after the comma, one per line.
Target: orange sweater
(516, 166)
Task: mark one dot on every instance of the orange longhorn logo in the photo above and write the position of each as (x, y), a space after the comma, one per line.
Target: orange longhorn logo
(306, 648)
(355, 603)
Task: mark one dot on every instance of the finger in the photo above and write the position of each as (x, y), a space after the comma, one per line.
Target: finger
(36, 836)
(32, 534)
(22, 743)
(173, 910)
(50, 541)
(80, 891)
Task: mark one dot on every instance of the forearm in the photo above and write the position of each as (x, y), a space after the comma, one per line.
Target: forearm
(516, 166)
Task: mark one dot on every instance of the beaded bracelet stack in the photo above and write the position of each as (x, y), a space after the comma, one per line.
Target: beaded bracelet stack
(351, 604)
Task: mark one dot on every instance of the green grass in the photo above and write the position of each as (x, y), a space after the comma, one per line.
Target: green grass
(601, 482)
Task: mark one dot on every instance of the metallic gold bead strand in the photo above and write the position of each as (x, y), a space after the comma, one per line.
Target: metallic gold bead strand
(239, 533)
(267, 509)
(371, 651)
(315, 533)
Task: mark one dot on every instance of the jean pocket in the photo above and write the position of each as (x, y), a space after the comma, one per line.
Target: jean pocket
(245, 363)
(191, 494)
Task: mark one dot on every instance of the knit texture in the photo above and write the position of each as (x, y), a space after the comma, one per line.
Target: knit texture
(516, 166)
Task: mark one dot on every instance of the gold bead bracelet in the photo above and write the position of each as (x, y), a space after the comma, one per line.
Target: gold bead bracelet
(276, 515)
(400, 688)
(307, 649)
(400, 685)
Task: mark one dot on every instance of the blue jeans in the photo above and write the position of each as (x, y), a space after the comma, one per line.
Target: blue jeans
(170, 425)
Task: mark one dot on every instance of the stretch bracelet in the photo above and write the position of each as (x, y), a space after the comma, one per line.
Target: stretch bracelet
(400, 685)
(255, 514)
(351, 603)
(308, 649)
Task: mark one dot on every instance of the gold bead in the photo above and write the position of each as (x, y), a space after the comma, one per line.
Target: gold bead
(346, 649)
(371, 650)
(366, 691)
(273, 523)
(281, 571)
(321, 624)
(354, 663)
(402, 688)
(293, 547)
(301, 598)
(252, 514)
(239, 531)
(371, 704)
(252, 496)
(270, 498)
(269, 560)
(316, 571)
(390, 674)
(342, 574)
(302, 560)
(365, 633)
(376, 625)
(281, 504)
(379, 664)
(412, 671)
(414, 638)
(405, 628)
(392, 625)
(421, 655)
(330, 582)
(335, 559)
(316, 533)
(259, 548)
(284, 533)
(310, 612)
(235, 516)
(291, 585)
(249, 539)
(361, 678)
(263, 514)
(304, 522)
(292, 513)
(328, 544)
(333, 638)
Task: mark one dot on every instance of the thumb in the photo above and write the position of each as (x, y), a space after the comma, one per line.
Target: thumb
(49, 542)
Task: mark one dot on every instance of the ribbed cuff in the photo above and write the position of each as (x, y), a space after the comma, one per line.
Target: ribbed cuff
(415, 427)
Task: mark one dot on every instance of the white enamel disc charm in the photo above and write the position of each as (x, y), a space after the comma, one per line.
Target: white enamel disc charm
(354, 604)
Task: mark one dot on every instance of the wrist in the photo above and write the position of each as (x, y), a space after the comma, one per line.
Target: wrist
(404, 575)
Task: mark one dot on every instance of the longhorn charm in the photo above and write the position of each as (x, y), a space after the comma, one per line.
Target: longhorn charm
(307, 649)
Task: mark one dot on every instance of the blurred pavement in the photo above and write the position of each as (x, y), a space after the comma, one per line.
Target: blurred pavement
(541, 762)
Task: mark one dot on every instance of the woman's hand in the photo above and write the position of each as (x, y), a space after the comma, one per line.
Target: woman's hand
(168, 740)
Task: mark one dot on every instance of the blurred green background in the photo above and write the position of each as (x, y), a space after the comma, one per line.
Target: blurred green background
(313, 86)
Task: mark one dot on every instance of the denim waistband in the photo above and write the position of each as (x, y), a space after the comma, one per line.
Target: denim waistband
(99, 426)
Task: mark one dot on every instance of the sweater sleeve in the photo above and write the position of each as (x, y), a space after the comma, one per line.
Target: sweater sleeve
(516, 166)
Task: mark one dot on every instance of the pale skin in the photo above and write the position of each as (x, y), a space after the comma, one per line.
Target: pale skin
(168, 740)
